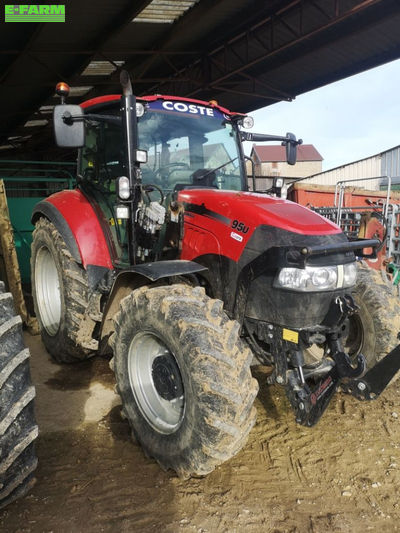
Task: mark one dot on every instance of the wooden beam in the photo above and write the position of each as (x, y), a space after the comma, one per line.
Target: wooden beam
(9, 267)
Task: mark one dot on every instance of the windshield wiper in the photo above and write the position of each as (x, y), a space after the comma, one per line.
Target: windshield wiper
(217, 168)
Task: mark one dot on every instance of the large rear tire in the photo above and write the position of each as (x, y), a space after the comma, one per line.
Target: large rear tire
(60, 294)
(374, 330)
(18, 429)
(184, 377)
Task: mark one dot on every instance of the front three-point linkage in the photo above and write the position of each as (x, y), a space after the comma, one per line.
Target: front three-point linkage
(310, 398)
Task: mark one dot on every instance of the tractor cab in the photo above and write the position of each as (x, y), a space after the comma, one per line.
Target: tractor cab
(179, 144)
(186, 145)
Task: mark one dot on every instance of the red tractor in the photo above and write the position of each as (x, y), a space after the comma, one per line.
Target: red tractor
(162, 257)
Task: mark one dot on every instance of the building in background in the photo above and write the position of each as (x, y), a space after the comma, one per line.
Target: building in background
(270, 162)
(371, 171)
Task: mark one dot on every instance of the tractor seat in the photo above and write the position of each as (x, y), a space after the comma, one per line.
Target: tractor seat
(203, 177)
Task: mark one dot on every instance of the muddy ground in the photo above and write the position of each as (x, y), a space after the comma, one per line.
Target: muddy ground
(342, 475)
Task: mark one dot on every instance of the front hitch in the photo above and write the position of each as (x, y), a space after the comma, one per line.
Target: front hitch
(310, 402)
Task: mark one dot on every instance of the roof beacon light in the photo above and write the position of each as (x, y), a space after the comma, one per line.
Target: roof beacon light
(213, 102)
(62, 89)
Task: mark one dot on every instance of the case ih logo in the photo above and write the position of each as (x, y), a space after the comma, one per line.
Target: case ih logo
(34, 13)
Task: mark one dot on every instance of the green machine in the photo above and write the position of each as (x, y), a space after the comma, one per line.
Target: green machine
(26, 183)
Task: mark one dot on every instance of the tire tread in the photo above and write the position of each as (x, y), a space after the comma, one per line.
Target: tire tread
(18, 429)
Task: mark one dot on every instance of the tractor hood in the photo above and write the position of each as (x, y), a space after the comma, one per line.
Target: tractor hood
(223, 222)
(254, 210)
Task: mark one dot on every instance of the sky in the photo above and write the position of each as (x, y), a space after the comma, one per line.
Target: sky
(347, 120)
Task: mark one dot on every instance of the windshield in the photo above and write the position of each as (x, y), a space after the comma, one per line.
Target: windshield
(189, 145)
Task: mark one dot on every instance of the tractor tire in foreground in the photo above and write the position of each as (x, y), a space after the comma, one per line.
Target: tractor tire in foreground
(18, 429)
(184, 378)
(374, 330)
(60, 294)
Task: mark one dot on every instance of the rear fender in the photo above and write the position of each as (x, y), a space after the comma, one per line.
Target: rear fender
(76, 221)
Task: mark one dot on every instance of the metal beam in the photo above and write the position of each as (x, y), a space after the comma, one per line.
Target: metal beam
(224, 61)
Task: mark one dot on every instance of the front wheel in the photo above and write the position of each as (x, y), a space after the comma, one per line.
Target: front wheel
(184, 377)
(374, 329)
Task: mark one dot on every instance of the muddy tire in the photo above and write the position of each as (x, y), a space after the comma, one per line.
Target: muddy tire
(60, 294)
(374, 331)
(184, 378)
(18, 429)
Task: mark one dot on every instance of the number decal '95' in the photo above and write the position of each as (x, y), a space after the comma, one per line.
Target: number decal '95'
(240, 226)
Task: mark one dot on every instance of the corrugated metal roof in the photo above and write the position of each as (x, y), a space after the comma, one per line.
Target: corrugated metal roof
(79, 91)
(34, 123)
(305, 152)
(102, 68)
(164, 11)
(46, 109)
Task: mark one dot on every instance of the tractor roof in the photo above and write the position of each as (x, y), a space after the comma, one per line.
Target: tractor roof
(109, 98)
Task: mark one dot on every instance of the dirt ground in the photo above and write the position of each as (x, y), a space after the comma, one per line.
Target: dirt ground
(342, 475)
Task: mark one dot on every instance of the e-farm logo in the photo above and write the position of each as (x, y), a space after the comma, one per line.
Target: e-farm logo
(34, 13)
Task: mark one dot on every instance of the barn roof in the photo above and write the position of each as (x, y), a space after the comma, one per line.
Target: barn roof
(246, 54)
(272, 153)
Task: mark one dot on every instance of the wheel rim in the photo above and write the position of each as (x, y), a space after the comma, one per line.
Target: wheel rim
(156, 382)
(355, 338)
(48, 294)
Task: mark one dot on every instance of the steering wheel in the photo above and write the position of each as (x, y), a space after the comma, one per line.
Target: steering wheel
(165, 169)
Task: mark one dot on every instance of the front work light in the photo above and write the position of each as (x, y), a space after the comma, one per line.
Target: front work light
(139, 109)
(123, 188)
(248, 122)
(122, 212)
(278, 183)
(141, 156)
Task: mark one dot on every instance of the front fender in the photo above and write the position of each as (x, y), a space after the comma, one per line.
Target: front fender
(136, 276)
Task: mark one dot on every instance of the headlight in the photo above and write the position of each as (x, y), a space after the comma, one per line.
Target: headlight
(123, 187)
(311, 279)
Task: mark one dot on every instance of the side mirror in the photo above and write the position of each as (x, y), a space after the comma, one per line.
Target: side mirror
(69, 127)
(291, 148)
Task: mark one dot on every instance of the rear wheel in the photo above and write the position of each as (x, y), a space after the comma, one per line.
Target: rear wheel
(60, 293)
(18, 429)
(374, 330)
(184, 377)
